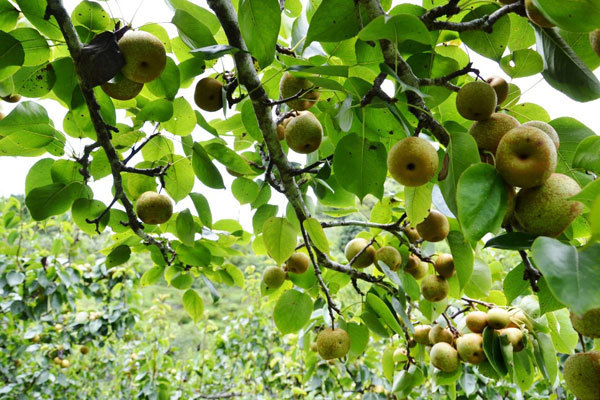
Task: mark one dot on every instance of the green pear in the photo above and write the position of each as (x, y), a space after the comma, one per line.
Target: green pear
(390, 256)
(297, 263)
(510, 205)
(439, 334)
(333, 343)
(546, 210)
(515, 337)
(500, 86)
(122, 88)
(536, 16)
(304, 133)
(582, 375)
(412, 161)
(476, 321)
(488, 133)
(153, 208)
(289, 86)
(421, 334)
(444, 265)
(498, 318)
(417, 268)
(595, 41)
(145, 56)
(587, 324)
(354, 247)
(208, 94)
(435, 227)
(434, 288)
(470, 348)
(526, 157)
(546, 128)
(476, 101)
(444, 357)
(411, 234)
(273, 277)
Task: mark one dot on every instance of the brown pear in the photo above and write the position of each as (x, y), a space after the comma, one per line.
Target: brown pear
(582, 375)
(390, 256)
(290, 86)
(476, 101)
(546, 128)
(297, 263)
(13, 98)
(470, 348)
(412, 234)
(444, 357)
(354, 247)
(476, 321)
(434, 288)
(440, 334)
(333, 343)
(587, 324)
(304, 133)
(498, 318)
(208, 94)
(500, 86)
(435, 227)
(536, 16)
(412, 161)
(421, 334)
(444, 265)
(417, 268)
(488, 133)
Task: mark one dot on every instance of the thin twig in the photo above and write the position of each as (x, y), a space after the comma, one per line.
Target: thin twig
(485, 23)
(376, 91)
(445, 80)
(301, 93)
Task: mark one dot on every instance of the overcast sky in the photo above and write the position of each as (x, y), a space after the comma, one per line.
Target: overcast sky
(223, 205)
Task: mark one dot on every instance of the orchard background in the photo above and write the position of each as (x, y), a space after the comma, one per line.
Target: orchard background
(99, 301)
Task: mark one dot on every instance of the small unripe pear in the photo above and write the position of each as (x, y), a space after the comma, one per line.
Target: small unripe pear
(526, 157)
(515, 337)
(304, 133)
(444, 265)
(488, 133)
(145, 56)
(122, 88)
(412, 234)
(500, 86)
(536, 16)
(476, 101)
(412, 161)
(434, 288)
(421, 334)
(390, 256)
(289, 86)
(439, 334)
(84, 349)
(476, 321)
(470, 348)
(333, 343)
(153, 208)
(297, 263)
(498, 318)
(435, 227)
(595, 41)
(354, 247)
(208, 94)
(547, 129)
(546, 210)
(417, 268)
(399, 355)
(582, 375)
(281, 127)
(273, 277)
(587, 324)
(444, 357)
(57, 360)
(65, 363)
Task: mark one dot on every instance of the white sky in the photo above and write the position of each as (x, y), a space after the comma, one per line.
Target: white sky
(223, 205)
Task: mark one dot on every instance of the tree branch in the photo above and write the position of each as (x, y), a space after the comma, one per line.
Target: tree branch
(485, 23)
(376, 91)
(445, 80)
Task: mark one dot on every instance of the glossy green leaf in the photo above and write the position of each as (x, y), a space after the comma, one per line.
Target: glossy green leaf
(167, 84)
(12, 55)
(292, 311)
(34, 45)
(418, 202)
(54, 199)
(512, 241)
(160, 110)
(514, 285)
(396, 29)
(91, 15)
(119, 255)
(151, 276)
(193, 304)
(202, 208)
(244, 190)
(204, 168)
(192, 31)
(462, 254)
(571, 133)
(576, 16)
(316, 234)
(197, 255)
(334, 20)
(185, 227)
(491, 45)
(179, 179)
(267, 15)
(86, 209)
(280, 238)
(383, 312)
(39, 175)
(521, 63)
(481, 280)
(587, 155)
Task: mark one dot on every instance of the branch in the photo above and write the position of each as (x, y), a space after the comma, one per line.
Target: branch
(485, 23)
(531, 273)
(84, 160)
(445, 80)
(135, 150)
(227, 395)
(473, 301)
(285, 50)
(448, 10)
(376, 91)
(300, 93)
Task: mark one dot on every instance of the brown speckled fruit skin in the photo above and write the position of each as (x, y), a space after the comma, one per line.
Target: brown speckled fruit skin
(587, 324)
(500, 86)
(476, 101)
(582, 375)
(273, 277)
(208, 94)
(470, 348)
(297, 263)
(289, 86)
(153, 208)
(439, 334)
(333, 343)
(526, 157)
(476, 321)
(352, 249)
(515, 337)
(444, 357)
(145, 56)
(304, 133)
(548, 129)
(546, 210)
(435, 227)
(488, 133)
(444, 265)
(595, 41)
(412, 161)
(122, 88)
(422, 334)
(390, 256)
(434, 288)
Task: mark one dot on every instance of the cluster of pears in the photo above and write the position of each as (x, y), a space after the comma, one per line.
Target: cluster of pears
(332, 343)
(434, 287)
(525, 157)
(273, 276)
(153, 208)
(145, 59)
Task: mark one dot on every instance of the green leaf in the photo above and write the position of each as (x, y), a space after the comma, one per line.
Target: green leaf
(522, 35)
(334, 20)
(493, 351)
(262, 214)
(151, 276)
(571, 133)
(204, 168)
(572, 275)
(228, 157)
(491, 45)
(563, 335)
(576, 16)
(35, 12)
(482, 201)
(202, 208)
(267, 15)
(39, 175)
(12, 55)
(280, 238)
(360, 165)
(8, 16)
(193, 304)
(182, 280)
(179, 179)
(418, 202)
(167, 84)
(511, 241)
(160, 110)
(383, 312)
(433, 65)
(197, 255)
(514, 285)
(316, 234)
(545, 355)
(292, 311)
(589, 194)
(84, 209)
(462, 254)
(183, 121)
(185, 227)
(521, 63)
(54, 199)
(244, 190)
(587, 155)
(398, 28)
(359, 337)
(236, 275)
(548, 301)
(481, 280)
(35, 81)
(214, 52)
(200, 13)
(192, 31)
(118, 256)
(563, 70)
(91, 15)
(34, 45)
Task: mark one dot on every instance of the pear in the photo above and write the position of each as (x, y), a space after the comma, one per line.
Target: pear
(444, 265)
(435, 227)
(273, 277)
(536, 16)
(421, 334)
(399, 355)
(444, 357)
(145, 56)
(411, 234)
(582, 375)
(510, 205)
(289, 86)
(526, 157)
(546, 210)
(498, 318)
(416, 267)
(595, 41)
(281, 128)
(208, 94)
(488, 133)
(304, 133)
(587, 324)
(84, 349)
(354, 247)
(476, 321)
(333, 343)
(476, 101)
(547, 129)
(13, 98)
(470, 348)
(412, 161)
(153, 208)
(390, 256)
(434, 288)
(439, 334)
(313, 347)
(297, 263)
(518, 319)
(122, 88)
(65, 363)
(500, 87)
(515, 337)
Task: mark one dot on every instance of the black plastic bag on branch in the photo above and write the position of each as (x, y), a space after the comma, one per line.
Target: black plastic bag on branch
(101, 59)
